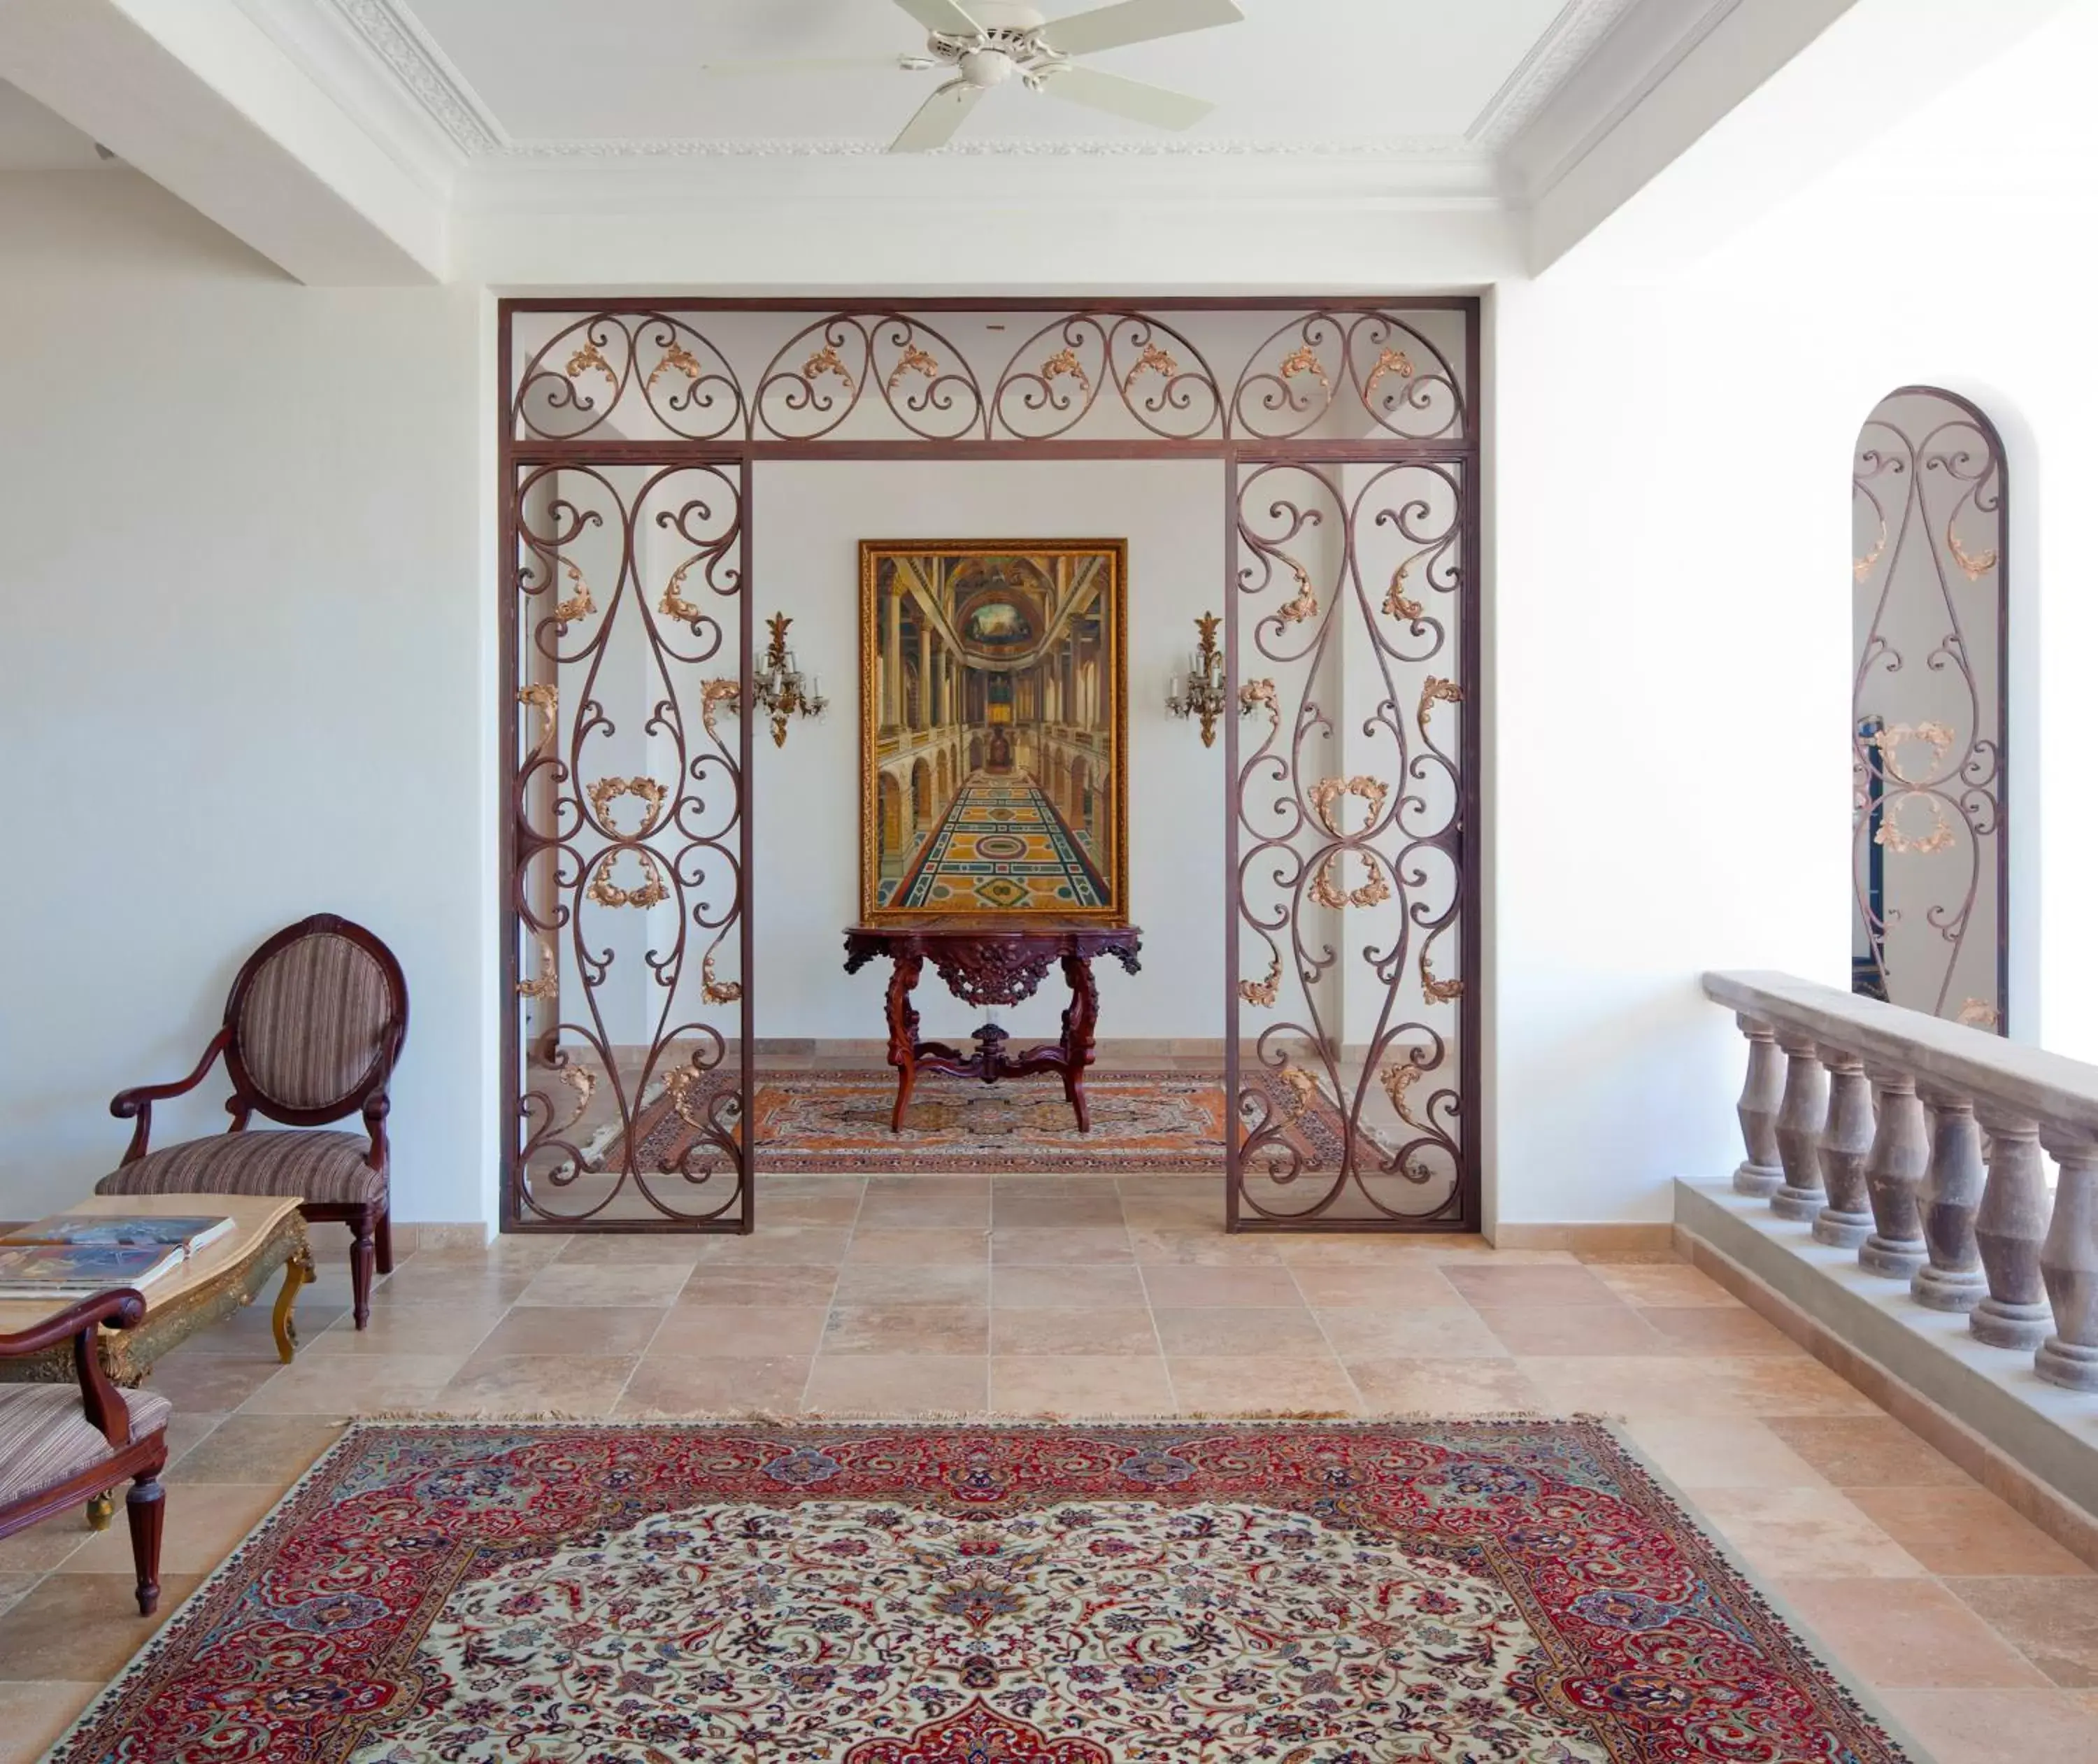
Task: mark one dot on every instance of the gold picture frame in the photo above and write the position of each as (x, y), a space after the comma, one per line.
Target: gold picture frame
(994, 730)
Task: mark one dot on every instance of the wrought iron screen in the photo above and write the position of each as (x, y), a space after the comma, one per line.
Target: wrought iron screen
(1347, 447)
(1929, 862)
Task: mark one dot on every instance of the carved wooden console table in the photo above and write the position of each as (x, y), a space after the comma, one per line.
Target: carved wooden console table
(991, 962)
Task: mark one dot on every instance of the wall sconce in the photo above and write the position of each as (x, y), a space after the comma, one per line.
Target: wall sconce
(778, 689)
(1201, 693)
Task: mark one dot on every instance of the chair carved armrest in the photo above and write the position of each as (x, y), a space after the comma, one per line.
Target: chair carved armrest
(121, 1307)
(139, 1102)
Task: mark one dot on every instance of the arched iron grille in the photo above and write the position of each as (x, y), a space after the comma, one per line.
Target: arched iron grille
(1929, 863)
(1348, 449)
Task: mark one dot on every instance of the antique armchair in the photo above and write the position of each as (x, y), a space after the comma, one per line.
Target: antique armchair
(62, 1445)
(313, 1026)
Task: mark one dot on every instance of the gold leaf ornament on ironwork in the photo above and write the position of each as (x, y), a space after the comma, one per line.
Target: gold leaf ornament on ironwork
(1325, 797)
(678, 1085)
(826, 360)
(717, 696)
(578, 605)
(1328, 792)
(1325, 889)
(1391, 362)
(1396, 604)
(1398, 1081)
(652, 892)
(1890, 738)
(1861, 568)
(1303, 1089)
(1306, 605)
(583, 1082)
(913, 360)
(1978, 1013)
(674, 604)
(1942, 835)
(1153, 360)
(1063, 364)
(1437, 691)
(717, 991)
(1976, 567)
(589, 358)
(545, 697)
(676, 359)
(608, 790)
(1438, 991)
(548, 984)
(1261, 695)
(1305, 361)
(1264, 992)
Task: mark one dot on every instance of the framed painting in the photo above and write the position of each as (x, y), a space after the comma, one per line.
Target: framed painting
(994, 730)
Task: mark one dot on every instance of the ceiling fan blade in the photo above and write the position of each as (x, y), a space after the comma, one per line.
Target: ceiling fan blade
(1135, 21)
(938, 118)
(845, 64)
(1127, 98)
(941, 16)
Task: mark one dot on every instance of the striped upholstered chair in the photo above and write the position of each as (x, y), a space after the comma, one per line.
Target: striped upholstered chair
(312, 1027)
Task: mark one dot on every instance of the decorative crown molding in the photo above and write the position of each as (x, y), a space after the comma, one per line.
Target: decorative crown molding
(426, 72)
(1567, 41)
(790, 146)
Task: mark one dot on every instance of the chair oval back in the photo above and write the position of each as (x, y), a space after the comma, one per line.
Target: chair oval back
(317, 1014)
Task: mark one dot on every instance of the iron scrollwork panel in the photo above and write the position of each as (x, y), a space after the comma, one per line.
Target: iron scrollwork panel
(627, 836)
(1929, 868)
(1348, 794)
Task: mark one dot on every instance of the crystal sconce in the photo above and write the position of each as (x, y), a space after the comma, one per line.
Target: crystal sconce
(1200, 694)
(778, 689)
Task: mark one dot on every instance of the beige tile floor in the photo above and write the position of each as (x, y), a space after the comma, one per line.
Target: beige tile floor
(899, 1296)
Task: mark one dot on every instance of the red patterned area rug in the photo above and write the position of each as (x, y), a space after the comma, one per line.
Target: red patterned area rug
(1365, 1593)
(836, 1123)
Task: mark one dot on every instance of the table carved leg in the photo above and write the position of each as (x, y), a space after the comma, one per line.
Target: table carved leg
(298, 1272)
(1081, 1016)
(903, 1033)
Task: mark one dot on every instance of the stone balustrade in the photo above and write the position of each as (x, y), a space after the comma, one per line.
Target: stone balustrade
(1925, 1145)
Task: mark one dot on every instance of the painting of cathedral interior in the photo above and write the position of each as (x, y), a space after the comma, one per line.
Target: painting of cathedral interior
(993, 729)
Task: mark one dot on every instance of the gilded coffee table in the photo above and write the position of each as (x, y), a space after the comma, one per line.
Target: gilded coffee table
(268, 1234)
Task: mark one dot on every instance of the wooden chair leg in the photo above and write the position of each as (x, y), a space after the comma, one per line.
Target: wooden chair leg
(143, 1509)
(363, 1257)
(382, 1237)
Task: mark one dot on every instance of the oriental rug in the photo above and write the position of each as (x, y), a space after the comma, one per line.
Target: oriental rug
(836, 1124)
(1363, 1593)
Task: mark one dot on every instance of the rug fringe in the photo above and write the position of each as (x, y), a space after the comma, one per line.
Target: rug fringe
(957, 1417)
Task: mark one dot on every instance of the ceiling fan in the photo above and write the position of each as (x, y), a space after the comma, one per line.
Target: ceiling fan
(988, 42)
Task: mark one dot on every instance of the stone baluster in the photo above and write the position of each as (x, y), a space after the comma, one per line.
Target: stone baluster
(2009, 1229)
(1800, 1119)
(2069, 1264)
(1761, 1093)
(1893, 1178)
(1952, 1278)
(1846, 1142)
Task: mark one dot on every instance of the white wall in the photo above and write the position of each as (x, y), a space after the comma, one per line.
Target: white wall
(809, 520)
(1671, 618)
(244, 676)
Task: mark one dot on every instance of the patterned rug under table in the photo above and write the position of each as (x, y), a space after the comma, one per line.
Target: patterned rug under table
(836, 1123)
(1311, 1593)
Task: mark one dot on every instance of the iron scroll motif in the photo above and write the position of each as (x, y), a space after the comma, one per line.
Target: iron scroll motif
(1343, 433)
(1929, 867)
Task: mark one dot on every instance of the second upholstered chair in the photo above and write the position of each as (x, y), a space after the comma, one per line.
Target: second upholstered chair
(312, 1028)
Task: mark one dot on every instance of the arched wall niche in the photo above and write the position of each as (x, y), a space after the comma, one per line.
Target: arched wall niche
(1930, 749)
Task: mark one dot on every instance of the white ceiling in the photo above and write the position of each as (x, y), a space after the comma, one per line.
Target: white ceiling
(34, 140)
(550, 79)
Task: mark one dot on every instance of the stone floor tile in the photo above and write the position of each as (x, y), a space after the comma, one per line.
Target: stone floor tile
(1018, 1331)
(739, 1332)
(1117, 1287)
(249, 1333)
(629, 1249)
(1965, 1532)
(904, 1200)
(1449, 1333)
(78, 1626)
(918, 1246)
(1179, 1287)
(799, 1245)
(629, 1285)
(417, 1282)
(712, 1283)
(812, 1200)
(1805, 1532)
(346, 1383)
(1408, 1285)
(676, 1384)
(1868, 1451)
(1040, 1246)
(200, 1524)
(1711, 1452)
(1081, 1387)
(945, 1283)
(44, 1546)
(612, 1331)
(215, 1383)
(876, 1385)
(33, 1713)
(2052, 1619)
(1672, 1284)
(536, 1383)
(1573, 1329)
(1909, 1634)
(1262, 1384)
(908, 1329)
(1221, 1331)
(1491, 1285)
(1014, 1205)
(1211, 1247)
(272, 1451)
(1411, 1386)
(1980, 1726)
(404, 1329)
(1717, 1329)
